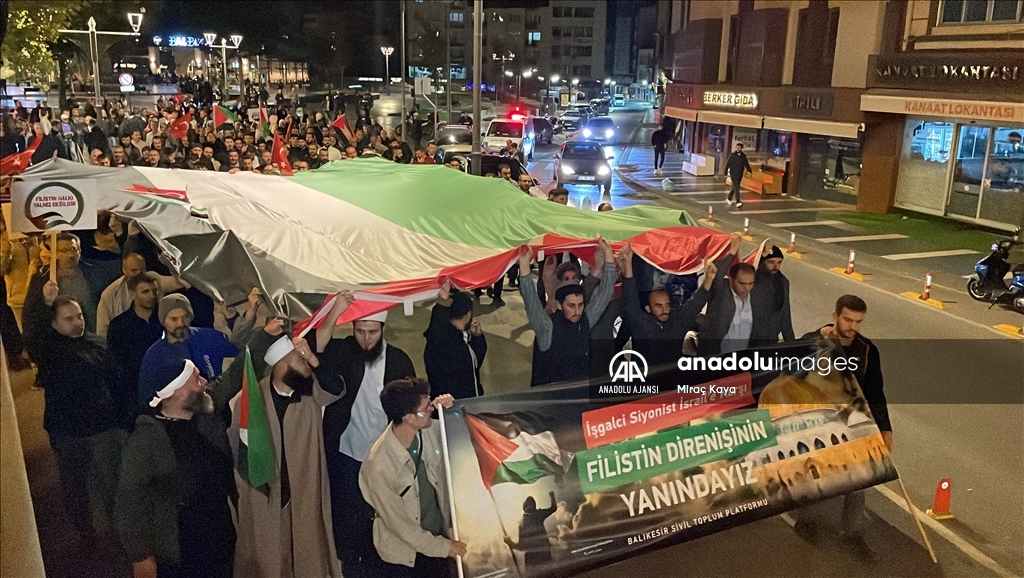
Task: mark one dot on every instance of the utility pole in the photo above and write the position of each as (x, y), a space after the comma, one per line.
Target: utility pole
(478, 40)
(448, 58)
(405, 134)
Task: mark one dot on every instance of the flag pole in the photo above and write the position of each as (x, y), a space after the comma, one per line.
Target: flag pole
(448, 482)
(504, 532)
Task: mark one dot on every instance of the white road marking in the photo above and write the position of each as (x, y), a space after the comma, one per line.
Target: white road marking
(805, 224)
(698, 192)
(966, 547)
(774, 211)
(886, 237)
(928, 254)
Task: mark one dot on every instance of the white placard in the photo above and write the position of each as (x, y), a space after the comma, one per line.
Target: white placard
(47, 206)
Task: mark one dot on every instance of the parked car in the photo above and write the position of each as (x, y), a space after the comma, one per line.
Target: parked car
(454, 134)
(600, 105)
(502, 130)
(543, 130)
(584, 109)
(601, 129)
(619, 100)
(583, 162)
(489, 163)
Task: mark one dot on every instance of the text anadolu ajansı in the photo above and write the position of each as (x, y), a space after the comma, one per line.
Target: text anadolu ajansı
(642, 458)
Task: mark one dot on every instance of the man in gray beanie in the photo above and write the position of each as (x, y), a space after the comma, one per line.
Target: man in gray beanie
(207, 348)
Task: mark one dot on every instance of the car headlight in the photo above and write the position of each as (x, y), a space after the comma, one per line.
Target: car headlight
(586, 132)
(608, 133)
(567, 170)
(603, 170)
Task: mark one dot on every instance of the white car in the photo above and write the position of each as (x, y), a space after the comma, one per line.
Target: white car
(619, 100)
(519, 131)
(601, 129)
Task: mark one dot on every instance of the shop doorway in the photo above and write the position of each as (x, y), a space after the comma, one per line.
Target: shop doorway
(812, 150)
(972, 146)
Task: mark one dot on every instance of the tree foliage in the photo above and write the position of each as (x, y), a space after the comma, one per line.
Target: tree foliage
(32, 29)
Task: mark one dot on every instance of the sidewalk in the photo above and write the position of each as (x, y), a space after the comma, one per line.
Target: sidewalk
(914, 243)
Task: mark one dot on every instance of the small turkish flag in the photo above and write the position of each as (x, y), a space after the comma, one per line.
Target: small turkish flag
(279, 154)
(14, 164)
(179, 129)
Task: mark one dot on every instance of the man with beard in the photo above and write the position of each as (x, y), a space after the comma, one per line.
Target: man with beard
(172, 509)
(129, 336)
(771, 292)
(207, 348)
(284, 526)
(455, 347)
(351, 426)
(658, 334)
(561, 348)
(78, 416)
(813, 522)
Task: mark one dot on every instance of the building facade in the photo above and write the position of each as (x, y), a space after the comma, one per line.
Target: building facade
(915, 104)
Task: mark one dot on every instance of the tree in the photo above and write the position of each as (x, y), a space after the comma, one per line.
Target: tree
(32, 29)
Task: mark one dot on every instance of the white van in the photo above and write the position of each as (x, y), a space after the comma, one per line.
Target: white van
(519, 131)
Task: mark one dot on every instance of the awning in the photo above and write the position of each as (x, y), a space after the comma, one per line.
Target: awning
(729, 118)
(808, 126)
(681, 113)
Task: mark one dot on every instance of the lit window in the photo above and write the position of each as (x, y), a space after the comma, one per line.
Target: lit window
(532, 38)
(456, 17)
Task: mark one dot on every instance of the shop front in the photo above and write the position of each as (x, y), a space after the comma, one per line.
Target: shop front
(800, 141)
(961, 154)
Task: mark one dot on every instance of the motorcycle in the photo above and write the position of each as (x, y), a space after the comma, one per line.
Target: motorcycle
(988, 283)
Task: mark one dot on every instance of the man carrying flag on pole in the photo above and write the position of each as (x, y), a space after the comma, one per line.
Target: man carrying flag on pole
(264, 120)
(404, 480)
(284, 524)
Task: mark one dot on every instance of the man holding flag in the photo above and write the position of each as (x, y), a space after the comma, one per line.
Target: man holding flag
(284, 509)
(403, 479)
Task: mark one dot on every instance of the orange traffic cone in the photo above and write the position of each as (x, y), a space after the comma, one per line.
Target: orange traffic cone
(940, 506)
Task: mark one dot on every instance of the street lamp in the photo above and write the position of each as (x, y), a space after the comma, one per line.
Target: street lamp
(236, 39)
(575, 81)
(387, 51)
(134, 20)
(519, 82)
(511, 56)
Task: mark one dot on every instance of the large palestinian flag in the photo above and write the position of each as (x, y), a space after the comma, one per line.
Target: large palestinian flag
(390, 233)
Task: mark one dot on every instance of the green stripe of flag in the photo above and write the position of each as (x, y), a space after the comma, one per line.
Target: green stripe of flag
(526, 471)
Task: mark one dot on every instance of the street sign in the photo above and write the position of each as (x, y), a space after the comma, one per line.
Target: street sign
(48, 206)
(126, 79)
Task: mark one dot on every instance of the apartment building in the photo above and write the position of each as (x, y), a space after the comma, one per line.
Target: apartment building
(916, 104)
(434, 27)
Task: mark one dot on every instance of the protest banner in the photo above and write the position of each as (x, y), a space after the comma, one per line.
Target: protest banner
(53, 206)
(557, 480)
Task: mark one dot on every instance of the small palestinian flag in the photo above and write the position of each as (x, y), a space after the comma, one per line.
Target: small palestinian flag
(264, 120)
(255, 461)
(514, 448)
(223, 115)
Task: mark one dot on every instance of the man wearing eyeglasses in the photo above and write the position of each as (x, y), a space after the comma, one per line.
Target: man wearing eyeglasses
(403, 479)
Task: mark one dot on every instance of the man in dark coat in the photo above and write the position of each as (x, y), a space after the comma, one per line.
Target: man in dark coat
(79, 416)
(658, 333)
(734, 167)
(352, 425)
(847, 317)
(771, 293)
(561, 348)
(455, 347)
(734, 320)
(659, 140)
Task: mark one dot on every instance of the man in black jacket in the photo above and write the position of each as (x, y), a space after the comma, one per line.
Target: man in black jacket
(79, 415)
(659, 140)
(352, 425)
(771, 292)
(845, 329)
(561, 348)
(658, 334)
(735, 167)
(455, 347)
